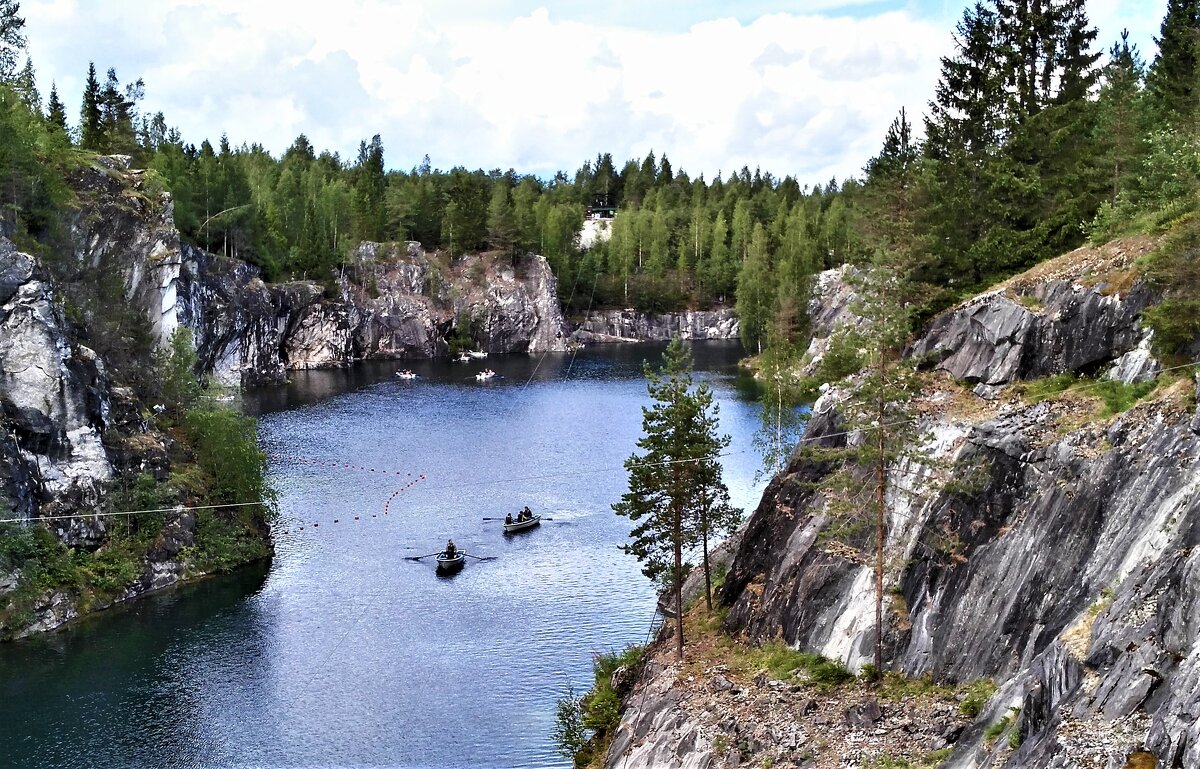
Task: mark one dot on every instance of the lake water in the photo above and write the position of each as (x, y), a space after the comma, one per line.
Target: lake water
(343, 653)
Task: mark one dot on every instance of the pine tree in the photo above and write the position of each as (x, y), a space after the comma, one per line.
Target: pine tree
(883, 427)
(91, 119)
(1173, 82)
(675, 487)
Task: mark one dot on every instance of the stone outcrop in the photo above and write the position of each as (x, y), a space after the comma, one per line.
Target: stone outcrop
(53, 396)
(1067, 569)
(393, 301)
(632, 326)
(1046, 323)
(70, 422)
(389, 301)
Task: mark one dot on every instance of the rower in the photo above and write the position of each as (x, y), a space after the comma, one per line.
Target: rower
(508, 518)
(451, 550)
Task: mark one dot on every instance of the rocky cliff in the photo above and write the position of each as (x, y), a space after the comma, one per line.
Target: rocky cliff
(79, 325)
(1068, 572)
(604, 326)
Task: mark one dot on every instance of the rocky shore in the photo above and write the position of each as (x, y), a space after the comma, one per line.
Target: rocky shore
(1070, 578)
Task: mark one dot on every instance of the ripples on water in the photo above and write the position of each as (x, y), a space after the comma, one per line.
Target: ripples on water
(343, 653)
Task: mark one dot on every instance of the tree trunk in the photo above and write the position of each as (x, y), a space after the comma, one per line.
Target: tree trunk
(880, 489)
(707, 572)
(677, 536)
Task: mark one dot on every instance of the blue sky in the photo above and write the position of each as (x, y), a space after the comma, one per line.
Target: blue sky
(804, 88)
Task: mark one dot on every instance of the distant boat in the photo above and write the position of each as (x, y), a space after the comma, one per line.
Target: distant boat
(463, 358)
(448, 564)
(515, 526)
(477, 353)
(483, 376)
(406, 374)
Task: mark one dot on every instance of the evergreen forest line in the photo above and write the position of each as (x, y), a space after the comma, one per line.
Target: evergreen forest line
(1033, 142)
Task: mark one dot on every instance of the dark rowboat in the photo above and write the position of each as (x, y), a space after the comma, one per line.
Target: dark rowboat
(447, 564)
(515, 526)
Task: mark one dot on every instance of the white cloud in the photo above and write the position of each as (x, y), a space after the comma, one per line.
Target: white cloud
(505, 85)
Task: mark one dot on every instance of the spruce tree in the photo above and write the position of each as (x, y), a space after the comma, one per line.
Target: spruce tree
(675, 494)
(1173, 82)
(12, 39)
(1120, 114)
(501, 221)
(91, 118)
(26, 87)
(56, 111)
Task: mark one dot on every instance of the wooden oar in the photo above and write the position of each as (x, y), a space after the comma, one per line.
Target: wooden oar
(419, 557)
(544, 518)
(481, 557)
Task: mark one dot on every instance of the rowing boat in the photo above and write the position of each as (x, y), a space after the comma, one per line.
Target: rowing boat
(447, 564)
(515, 526)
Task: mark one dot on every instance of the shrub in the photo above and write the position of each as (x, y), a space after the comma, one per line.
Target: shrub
(975, 696)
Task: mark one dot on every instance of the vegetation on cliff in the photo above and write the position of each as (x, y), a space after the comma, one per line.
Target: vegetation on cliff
(214, 464)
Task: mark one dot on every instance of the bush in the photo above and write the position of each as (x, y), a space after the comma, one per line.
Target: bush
(569, 733)
(232, 467)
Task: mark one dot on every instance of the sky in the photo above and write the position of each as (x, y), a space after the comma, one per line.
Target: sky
(805, 88)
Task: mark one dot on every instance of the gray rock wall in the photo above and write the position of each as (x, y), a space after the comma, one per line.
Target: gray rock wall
(395, 301)
(630, 326)
(994, 339)
(53, 395)
(1070, 573)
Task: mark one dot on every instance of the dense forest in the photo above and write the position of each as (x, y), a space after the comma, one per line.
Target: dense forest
(1032, 142)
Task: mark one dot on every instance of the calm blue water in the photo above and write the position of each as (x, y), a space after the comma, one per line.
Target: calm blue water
(343, 653)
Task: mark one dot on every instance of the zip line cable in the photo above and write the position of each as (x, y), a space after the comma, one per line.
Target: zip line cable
(591, 298)
(543, 358)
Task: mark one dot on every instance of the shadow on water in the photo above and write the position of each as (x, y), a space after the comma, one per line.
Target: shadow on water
(72, 687)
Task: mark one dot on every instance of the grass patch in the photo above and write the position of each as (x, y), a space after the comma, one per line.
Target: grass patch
(1031, 302)
(784, 663)
(896, 687)
(1000, 727)
(1112, 396)
(976, 696)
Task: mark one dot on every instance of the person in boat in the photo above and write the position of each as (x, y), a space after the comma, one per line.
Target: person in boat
(451, 550)
(527, 514)
(508, 518)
